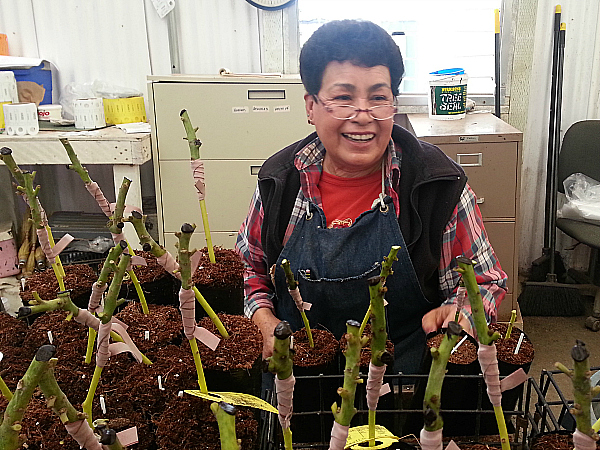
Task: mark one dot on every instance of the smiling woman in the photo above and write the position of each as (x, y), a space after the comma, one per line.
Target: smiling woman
(334, 203)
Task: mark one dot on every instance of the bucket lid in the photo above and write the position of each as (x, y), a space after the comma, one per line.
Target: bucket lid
(455, 71)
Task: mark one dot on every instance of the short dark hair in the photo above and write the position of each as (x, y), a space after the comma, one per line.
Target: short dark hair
(360, 42)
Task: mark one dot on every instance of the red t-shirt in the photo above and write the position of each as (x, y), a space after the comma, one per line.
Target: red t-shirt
(344, 199)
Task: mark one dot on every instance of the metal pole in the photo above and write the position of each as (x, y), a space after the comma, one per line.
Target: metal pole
(173, 42)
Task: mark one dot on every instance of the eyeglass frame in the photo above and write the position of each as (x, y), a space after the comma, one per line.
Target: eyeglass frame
(357, 111)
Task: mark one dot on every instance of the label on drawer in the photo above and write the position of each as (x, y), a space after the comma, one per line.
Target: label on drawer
(468, 139)
(240, 109)
(260, 109)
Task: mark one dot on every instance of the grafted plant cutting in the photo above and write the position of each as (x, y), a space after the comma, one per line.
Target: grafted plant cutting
(197, 166)
(166, 260)
(294, 291)
(113, 212)
(186, 298)
(586, 435)
(431, 434)
(487, 349)
(280, 363)
(380, 357)
(345, 412)
(38, 215)
(41, 373)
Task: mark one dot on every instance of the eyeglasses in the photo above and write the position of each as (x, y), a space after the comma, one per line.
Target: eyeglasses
(347, 112)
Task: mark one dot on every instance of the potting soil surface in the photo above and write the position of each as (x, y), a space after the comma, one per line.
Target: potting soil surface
(466, 353)
(152, 271)
(505, 348)
(324, 351)
(227, 271)
(78, 278)
(239, 351)
(132, 392)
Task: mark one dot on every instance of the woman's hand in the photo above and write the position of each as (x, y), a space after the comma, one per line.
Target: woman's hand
(439, 317)
(266, 322)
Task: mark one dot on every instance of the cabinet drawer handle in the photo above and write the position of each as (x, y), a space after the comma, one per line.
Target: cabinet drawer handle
(254, 170)
(470, 159)
(480, 200)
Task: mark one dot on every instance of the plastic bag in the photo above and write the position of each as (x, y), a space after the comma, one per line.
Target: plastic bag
(73, 91)
(583, 199)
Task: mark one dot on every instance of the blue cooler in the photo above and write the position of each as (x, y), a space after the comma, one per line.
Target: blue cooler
(41, 75)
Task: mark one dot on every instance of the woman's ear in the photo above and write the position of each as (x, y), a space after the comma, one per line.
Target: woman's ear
(309, 103)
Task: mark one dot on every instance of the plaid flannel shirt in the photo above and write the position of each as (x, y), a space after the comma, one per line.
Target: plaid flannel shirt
(464, 235)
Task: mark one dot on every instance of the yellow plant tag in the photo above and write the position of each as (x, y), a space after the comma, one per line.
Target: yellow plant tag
(236, 398)
(360, 435)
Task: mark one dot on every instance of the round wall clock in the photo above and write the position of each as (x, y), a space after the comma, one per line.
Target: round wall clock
(271, 4)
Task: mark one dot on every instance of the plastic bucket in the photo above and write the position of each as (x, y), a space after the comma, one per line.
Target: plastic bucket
(447, 98)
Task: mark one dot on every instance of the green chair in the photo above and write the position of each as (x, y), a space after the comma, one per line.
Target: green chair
(580, 153)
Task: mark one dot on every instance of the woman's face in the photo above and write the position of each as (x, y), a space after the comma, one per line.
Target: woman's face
(356, 146)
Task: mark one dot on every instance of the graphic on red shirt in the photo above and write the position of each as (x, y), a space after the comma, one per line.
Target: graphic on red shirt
(344, 199)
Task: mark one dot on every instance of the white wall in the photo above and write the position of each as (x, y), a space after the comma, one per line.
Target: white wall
(123, 41)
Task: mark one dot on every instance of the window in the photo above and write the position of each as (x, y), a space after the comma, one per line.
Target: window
(432, 34)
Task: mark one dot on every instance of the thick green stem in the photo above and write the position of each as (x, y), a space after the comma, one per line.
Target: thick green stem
(194, 144)
(225, 414)
(7, 158)
(190, 135)
(10, 436)
(31, 193)
(484, 334)
(346, 412)
(139, 224)
(292, 286)
(185, 265)
(62, 301)
(112, 296)
(582, 388)
(75, 164)
(55, 397)
(110, 264)
(433, 391)
(377, 291)
(116, 220)
(281, 362)
(185, 270)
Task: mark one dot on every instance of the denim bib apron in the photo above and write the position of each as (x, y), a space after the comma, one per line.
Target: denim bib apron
(332, 267)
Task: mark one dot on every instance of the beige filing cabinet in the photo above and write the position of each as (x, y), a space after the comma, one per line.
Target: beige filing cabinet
(489, 150)
(241, 121)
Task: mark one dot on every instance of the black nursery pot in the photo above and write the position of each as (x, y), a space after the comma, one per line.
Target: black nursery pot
(314, 393)
(461, 390)
(226, 299)
(158, 292)
(509, 397)
(245, 381)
